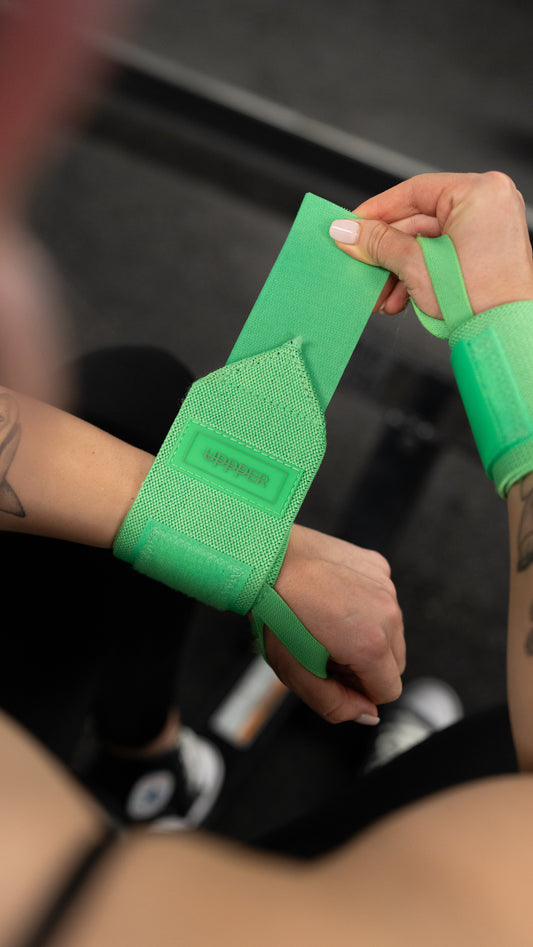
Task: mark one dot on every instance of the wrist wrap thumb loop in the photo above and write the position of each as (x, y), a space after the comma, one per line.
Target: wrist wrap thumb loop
(270, 610)
(492, 360)
(214, 515)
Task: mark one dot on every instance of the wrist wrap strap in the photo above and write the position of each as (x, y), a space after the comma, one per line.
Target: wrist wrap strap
(213, 517)
(492, 360)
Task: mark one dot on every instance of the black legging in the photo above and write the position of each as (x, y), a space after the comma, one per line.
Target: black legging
(474, 748)
(78, 636)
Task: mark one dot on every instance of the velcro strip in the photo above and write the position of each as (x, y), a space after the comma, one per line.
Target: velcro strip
(498, 414)
(189, 566)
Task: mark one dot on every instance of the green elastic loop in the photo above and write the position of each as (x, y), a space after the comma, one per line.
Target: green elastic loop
(447, 280)
(272, 611)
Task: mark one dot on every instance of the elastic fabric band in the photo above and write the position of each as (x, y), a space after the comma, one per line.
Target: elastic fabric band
(214, 515)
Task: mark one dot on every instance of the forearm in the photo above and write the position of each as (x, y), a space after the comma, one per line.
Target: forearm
(520, 635)
(61, 477)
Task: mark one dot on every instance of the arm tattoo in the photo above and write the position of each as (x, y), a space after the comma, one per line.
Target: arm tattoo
(525, 530)
(9, 442)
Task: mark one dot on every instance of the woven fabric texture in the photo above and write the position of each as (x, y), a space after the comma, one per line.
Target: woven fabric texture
(268, 403)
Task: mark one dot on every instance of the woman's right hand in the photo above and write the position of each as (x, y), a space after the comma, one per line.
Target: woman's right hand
(483, 214)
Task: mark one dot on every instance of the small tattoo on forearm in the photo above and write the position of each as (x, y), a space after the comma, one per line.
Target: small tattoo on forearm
(9, 442)
(525, 530)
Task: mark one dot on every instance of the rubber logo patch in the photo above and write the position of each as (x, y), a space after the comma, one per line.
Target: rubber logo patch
(235, 468)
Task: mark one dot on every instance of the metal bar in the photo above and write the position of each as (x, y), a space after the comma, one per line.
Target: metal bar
(192, 121)
(246, 128)
(151, 74)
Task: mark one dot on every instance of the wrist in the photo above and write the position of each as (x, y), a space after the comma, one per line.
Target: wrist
(136, 465)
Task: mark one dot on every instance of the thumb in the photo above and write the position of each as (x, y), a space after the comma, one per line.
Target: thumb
(379, 244)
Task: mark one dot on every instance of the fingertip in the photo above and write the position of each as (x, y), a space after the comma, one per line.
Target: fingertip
(368, 720)
(345, 231)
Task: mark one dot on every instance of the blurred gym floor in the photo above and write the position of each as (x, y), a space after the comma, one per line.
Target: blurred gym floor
(174, 252)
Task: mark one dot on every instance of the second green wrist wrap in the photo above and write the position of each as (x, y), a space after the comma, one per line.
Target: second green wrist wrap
(492, 359)
(214, 515)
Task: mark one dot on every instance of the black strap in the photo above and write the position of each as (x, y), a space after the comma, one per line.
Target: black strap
(70, 890)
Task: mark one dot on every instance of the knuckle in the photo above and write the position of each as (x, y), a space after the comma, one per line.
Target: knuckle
(394, 613)
(388, 247)
(377, 241)
(389, 593)
(334, 714)
(374, 644)
(386, 602)
(502, 186)
(499, 179)
(380, 561)
(395, 691)
(388, 691)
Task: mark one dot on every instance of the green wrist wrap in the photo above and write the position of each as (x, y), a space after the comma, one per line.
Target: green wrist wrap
(492, 360)
(213, 517)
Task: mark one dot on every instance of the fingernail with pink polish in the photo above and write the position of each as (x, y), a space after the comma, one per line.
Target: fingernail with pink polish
(367, 720)
(345, 231)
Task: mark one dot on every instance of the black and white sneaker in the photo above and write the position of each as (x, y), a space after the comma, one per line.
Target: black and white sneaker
(174, 790)
(426, 705)
(204, 771)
